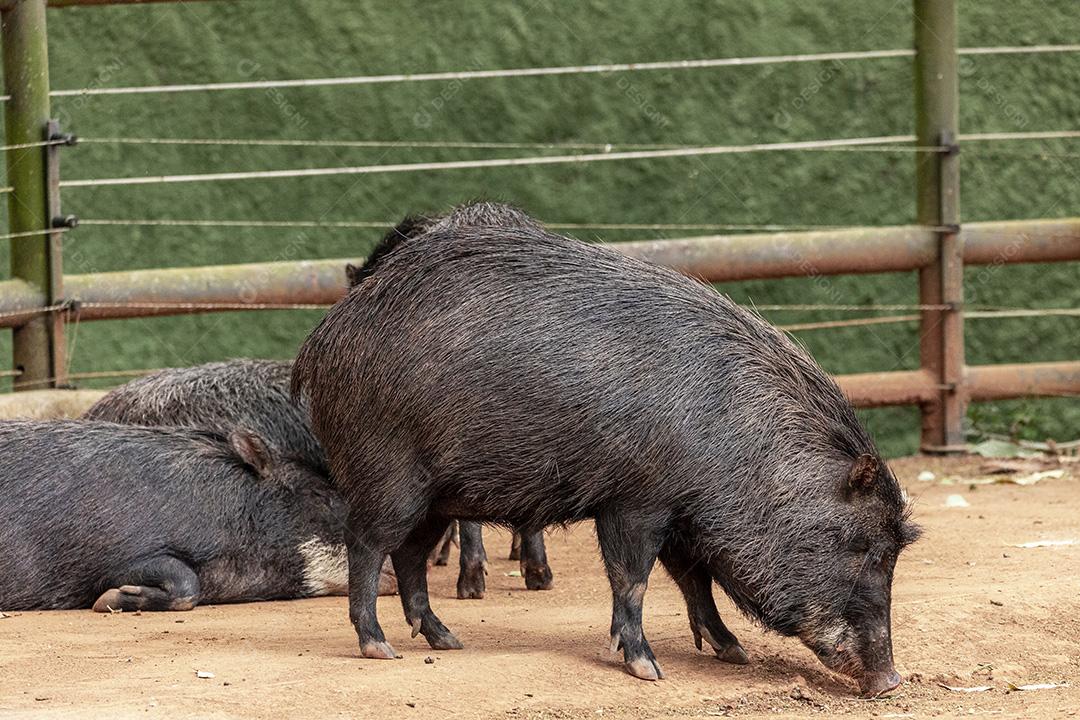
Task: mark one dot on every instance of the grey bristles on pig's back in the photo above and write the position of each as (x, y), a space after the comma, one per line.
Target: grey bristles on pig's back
(251, 394)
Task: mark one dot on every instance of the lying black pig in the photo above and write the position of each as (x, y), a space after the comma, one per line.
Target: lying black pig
(222, 397)
(116, 517)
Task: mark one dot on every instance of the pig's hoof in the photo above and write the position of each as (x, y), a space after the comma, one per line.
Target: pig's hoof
(110, 601)
(471, 584)
(125, 597)
(378, 650)
(538, 578)
(733, 654)
(644, 668)
(445, 642)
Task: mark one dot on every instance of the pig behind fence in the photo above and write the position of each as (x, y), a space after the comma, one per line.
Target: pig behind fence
(520, 377)
(130, 518)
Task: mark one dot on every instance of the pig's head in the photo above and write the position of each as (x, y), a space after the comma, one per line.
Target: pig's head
(824, 568)
(848, 625)
(313, 516)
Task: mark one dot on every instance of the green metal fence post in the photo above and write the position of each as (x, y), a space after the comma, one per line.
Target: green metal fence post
(38, 344)
(937, 102)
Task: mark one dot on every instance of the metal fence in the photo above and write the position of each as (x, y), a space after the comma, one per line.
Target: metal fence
(39, 300)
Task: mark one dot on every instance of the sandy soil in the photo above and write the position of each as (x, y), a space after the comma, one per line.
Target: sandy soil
(969, 610)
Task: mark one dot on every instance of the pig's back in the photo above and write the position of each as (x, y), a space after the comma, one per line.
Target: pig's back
(539, 376)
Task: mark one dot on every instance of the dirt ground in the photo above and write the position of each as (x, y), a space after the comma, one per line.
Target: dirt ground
(970, 609)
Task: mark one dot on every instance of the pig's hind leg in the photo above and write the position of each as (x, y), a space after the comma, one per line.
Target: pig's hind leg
(534, 564)
(441, 556)
(629, 549)
(694, 580)
(365, 573)
(410, 562)
(162, 583)
(471, 584)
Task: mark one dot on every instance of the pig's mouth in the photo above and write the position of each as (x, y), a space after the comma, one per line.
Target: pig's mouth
(877, 684)
(840, 658)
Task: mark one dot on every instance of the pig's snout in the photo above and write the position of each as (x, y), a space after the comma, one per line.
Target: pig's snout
(867, 660)
(878, 674)
(876, 684)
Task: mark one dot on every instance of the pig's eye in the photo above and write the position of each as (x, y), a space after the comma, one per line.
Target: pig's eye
(858, 545)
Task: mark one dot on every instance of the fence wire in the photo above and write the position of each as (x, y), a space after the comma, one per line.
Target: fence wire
(886, 143)
(387, 224)
(492, 145)
(75, 307)
(695, 64)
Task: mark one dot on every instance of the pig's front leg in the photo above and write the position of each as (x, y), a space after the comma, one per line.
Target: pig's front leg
(159, 583)
(629, 547)
(473, 561)
(694, 580)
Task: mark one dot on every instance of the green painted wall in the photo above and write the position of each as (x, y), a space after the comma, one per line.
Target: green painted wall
(220, 41)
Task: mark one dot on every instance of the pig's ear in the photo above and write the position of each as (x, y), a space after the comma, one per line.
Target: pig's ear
(252, 450)
(863, 474)
(352, 274)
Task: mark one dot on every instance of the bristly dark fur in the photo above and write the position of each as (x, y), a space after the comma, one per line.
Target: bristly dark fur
(475, 214)
(89, 506)
(219, 396)
(522, 377)
(410, 226)
(478, 214)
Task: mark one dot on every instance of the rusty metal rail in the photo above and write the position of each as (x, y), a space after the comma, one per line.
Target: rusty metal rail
(981, 382)
(713, 258)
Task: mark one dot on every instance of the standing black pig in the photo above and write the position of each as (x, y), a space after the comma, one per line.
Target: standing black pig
(129, 518)
(528, 548)
(520, 377)
(222, 397)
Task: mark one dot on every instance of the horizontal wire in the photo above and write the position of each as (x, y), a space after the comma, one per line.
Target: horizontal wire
(452, 144)
(33, 233)
(237, 223)
(386, 224)
(32, 311)
(103, 374)
(10, 373)
(76, 306)
(994, 152)
(464, 144)
(112, 373)
(39, 143)
(542, 71)
(885, 143)
(1018, 50)
(1030, 135)
(851, 322)
(833, 144)
(1023, 313)
(485, 74)
(200, 306)
(845, 308)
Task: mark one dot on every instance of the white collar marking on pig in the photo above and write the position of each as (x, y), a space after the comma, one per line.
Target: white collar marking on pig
(326, 567)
